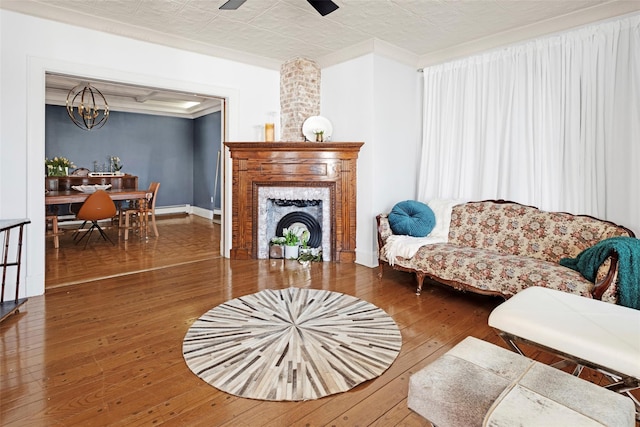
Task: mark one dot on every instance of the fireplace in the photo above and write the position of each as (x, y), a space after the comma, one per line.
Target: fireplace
(317, 178)
(309, 206)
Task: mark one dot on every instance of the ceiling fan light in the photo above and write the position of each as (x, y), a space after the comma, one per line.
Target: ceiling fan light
(232, 4)
(324, 7)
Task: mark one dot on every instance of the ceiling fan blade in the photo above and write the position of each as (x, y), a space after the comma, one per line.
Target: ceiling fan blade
(232, 4)
(324, 7)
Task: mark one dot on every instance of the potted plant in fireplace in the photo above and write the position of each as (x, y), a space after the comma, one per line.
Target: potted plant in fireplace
(304, 239)
(276, 247)
(292, 238)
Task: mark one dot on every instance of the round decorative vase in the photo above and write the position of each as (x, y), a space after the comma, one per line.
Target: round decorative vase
(291, 252)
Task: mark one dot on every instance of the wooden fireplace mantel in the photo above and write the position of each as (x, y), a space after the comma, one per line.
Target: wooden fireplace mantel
(291, 164)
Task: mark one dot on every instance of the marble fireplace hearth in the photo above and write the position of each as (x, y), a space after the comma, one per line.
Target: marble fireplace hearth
(323, 172)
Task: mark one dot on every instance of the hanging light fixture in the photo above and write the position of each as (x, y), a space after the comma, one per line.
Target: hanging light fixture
(87, 107)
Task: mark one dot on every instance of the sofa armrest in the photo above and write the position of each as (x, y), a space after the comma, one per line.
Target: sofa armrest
(606, 277)
(384, 229)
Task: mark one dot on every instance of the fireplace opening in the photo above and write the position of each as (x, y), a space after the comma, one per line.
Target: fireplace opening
(284, 213)
(281, 207)
(304, 221)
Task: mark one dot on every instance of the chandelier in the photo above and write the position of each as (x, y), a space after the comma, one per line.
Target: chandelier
(87, 107)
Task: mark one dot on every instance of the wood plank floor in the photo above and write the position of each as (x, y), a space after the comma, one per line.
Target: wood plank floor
(183, 239)
(109, 351)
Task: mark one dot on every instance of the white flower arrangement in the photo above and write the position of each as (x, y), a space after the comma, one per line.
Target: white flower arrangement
(304, 238)
(58, 166)
(293, 235)
(278, 240)
(59, 162)
(116, 163)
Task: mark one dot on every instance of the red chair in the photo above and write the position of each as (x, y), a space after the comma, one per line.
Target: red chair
(98, 206)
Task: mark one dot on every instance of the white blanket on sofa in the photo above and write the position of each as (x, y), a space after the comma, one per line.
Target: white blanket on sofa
(407, 246)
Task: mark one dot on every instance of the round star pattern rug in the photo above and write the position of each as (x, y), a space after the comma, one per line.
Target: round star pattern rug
(291, 344)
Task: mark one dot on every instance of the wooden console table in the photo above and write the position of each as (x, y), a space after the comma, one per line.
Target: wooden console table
(303, 164)
(6, 225)
(64, 183)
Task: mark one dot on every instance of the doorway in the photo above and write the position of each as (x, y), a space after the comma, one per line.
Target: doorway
(36, 98)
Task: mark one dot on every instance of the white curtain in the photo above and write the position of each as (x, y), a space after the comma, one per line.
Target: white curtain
(553, 122)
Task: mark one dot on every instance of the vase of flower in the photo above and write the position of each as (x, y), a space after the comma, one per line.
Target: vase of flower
(291, 242)
(115, 164)
(304, 251)
(291, 251)
(58, 166)
(276, 247)
(57, 171)
(304, 240)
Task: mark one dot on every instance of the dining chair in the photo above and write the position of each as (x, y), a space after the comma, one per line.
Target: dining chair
(98, 206)
(55, 231)
(138, 214)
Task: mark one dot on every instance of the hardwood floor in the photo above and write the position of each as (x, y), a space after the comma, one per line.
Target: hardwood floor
(109, 351)
(183, 239)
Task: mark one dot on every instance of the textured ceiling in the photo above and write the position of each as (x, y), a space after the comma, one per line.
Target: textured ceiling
(269, 32)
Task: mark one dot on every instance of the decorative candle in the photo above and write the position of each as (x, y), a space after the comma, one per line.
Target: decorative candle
(269, 132)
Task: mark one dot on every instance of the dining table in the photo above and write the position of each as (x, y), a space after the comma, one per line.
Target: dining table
(63, 197)
(73, 196)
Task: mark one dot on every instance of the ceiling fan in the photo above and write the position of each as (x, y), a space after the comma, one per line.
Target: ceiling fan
(324, 7)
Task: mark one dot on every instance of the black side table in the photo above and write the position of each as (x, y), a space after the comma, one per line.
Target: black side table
(6, 225)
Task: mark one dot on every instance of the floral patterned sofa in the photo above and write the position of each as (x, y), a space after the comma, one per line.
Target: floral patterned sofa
(497, 247)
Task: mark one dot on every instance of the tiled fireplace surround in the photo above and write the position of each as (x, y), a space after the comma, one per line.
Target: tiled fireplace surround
(294, 171)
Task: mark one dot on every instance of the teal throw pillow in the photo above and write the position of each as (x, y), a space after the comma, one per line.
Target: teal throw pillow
(412, 218)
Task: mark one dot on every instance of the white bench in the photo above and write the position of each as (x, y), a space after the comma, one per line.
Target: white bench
(592, 333)
(480, 384)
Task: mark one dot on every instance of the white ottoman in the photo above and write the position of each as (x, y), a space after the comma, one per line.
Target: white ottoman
(479, 384)
(600, 335)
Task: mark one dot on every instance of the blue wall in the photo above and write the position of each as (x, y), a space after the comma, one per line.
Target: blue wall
(155, 148)
(207, 144)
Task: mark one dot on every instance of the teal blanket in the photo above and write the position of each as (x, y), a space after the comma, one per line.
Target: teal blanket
(628, 249)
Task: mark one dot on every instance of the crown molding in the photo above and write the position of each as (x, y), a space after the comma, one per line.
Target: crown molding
(568, 22)
(607, 10)
(51, 13)
(59, 98)
(376, 46)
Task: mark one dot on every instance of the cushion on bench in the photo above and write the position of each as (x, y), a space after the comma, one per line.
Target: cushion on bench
(606, 335)
(493, 271)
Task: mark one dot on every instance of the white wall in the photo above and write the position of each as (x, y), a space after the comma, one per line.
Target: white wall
(397, 121)
(32, 46)
(376, 100)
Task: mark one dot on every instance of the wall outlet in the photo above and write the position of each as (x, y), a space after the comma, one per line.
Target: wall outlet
(211, 199)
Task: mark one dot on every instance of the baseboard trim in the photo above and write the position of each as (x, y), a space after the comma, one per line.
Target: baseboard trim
(163, 210)
(204, 213)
